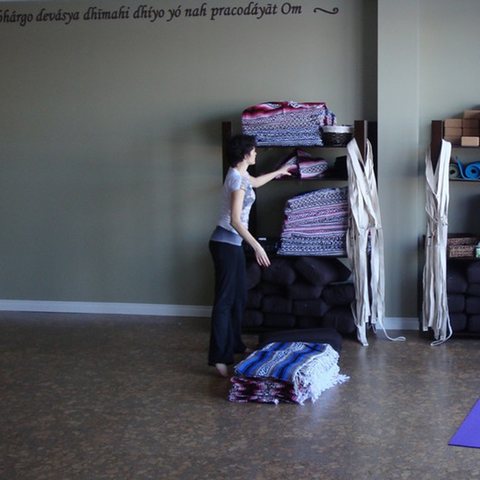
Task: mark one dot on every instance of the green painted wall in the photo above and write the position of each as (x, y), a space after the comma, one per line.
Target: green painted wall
(110, 154)
(110, 131)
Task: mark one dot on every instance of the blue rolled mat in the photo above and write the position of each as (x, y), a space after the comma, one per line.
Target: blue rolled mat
(470, 171)
(473, 170)
(454, 171)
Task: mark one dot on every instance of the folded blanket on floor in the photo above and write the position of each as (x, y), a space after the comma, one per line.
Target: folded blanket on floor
(261, 391)
(311, 335)
(309, 368)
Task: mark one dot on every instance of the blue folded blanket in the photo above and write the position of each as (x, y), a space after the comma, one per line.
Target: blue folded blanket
(309, 368)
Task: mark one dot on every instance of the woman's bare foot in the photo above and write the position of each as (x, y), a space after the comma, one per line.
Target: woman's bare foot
(222, 369)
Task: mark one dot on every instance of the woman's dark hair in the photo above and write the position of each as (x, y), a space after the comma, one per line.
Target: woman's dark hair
(238, 146)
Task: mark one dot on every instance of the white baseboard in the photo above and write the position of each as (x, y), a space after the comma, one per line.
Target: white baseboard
(166, 310)
(402, 323)
(106, 308)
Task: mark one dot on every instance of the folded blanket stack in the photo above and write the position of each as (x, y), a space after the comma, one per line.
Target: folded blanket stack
(304, 165)
(287, 123)
(463, 295)
(316, 223)
(299, 292)
(290, 372)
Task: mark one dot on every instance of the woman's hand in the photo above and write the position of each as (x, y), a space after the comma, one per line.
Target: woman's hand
(285, 170)
(261, 256)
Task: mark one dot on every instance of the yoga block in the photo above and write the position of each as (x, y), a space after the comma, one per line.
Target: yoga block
(470, 123)
(453, 140)
(471, 132)
(453, 131)
(471, 114)
(470, 142)
(453, 123)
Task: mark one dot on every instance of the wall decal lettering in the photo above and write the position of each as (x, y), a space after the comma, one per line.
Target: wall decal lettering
(153, 14)
(333, 12)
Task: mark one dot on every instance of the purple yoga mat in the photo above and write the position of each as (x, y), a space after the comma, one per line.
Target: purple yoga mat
(468, 435)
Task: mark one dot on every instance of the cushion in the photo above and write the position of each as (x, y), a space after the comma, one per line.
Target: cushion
(339, 294)
(472, 305)
(279, 320)
(474, 289)
(312, 322)
(268, 288)
(254, 298)
(314, 335)
(310, 308)
(276, 304)
(456, 279)
(322, 271)
(280, 272)
(252, 318)
(342, 317)
(303, 291)
(254, 274)
(456, 302)
(458, 321)
(473, 271)
(473, 324)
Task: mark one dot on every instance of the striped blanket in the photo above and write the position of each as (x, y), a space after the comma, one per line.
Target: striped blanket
(286, 372)
(304, 165)
(316, 223)
(287, 123)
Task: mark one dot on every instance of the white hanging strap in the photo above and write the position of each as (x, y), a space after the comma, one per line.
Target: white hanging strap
(365, 225)
(435, 304)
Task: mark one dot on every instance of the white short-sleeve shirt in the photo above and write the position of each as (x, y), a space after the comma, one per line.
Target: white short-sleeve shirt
(235, 181)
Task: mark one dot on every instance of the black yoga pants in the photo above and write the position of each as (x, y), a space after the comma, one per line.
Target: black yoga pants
(229, 304)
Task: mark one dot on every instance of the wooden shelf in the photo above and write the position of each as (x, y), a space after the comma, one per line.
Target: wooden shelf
(436, 143)
(362, 131)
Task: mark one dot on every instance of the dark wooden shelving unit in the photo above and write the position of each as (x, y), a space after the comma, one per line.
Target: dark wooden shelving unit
(437, 131)
(362, 130)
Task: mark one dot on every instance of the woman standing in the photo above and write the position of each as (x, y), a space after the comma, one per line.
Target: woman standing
(225, 246)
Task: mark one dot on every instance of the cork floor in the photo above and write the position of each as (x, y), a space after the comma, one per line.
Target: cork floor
(113, 397)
